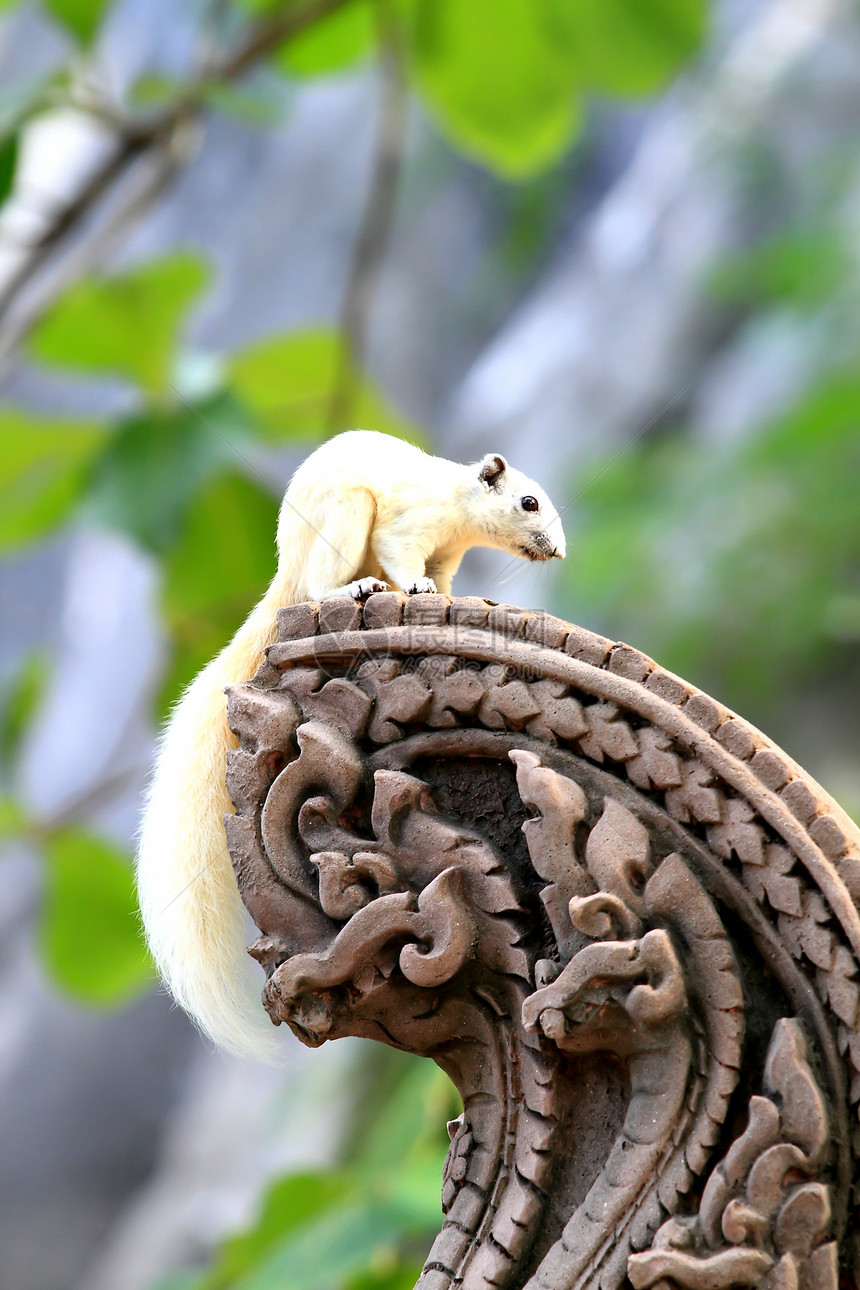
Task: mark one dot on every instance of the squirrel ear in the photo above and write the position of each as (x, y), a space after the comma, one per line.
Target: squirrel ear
(493, 466)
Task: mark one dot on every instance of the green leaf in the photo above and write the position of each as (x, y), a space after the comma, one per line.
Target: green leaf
(13, 821)
(393, 1203)
(89, 935)
(291, 1203)
(334, 43)
(42, 472)
(340, 1245)
(154, 465)
(218, 569)
(629, 47)
(359, 1226)
(505, 78)
(8, 162)
(127, 325)
(409, 1120)
(500, 83)
(81, 17)
(21, 697)
(287, 382)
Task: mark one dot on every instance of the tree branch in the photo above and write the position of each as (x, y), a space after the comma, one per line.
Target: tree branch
(136, 138)
(377, 218)
(284, 26)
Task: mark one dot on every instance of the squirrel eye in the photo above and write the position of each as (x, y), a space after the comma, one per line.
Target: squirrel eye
(529, 503)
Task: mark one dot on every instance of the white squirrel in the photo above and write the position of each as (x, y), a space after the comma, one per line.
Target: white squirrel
(365, 511)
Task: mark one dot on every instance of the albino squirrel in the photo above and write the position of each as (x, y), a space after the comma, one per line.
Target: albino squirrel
(363, 513)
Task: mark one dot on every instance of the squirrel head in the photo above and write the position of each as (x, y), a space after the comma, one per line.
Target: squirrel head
(514, 512)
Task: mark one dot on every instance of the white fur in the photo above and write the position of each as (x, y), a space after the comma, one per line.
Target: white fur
(364, 506)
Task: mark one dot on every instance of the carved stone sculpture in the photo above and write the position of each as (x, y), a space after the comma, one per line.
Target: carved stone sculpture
(622, 921)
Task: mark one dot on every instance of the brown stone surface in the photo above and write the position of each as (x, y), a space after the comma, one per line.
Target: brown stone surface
(614, 914)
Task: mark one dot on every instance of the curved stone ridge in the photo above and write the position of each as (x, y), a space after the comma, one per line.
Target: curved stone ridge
(622, 920)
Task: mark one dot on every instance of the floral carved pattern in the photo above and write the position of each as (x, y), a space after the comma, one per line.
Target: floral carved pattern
(620, 920)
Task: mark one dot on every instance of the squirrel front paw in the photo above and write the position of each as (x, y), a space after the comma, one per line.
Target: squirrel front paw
(365, 587)
(421, 585)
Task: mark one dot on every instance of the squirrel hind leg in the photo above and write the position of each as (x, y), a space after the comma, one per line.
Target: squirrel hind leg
(339, 562)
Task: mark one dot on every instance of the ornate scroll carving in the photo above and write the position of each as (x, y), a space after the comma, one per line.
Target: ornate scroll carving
(620, 920)
(763, 1218)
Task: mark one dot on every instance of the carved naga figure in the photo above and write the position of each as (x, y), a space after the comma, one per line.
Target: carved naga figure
(620, 920)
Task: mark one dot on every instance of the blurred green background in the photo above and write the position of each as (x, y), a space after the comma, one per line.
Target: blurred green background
(616, 240)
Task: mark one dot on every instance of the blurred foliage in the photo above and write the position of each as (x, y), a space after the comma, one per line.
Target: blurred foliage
(737, 563)
(153, 465)
(333, 44)
(287, 384)
(19, 699)
(220, 566)
(12, 819)
(627, 47)
(90, 939)
(739, 569)
(8, 162)
(802, 267)
(366, 1223)
(89, 933)
(505, 80)
(125, 325)
(498, 80)
(81, 18)
(42, 472)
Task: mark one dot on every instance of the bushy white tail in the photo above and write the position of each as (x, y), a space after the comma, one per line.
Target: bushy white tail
(192, 913)
(362, 503)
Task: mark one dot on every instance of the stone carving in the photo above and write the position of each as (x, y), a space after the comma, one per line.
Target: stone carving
(761, 1221)
(620, 920)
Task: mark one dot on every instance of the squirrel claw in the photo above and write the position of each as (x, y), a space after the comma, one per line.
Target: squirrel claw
(365, 587)
(421, 586)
